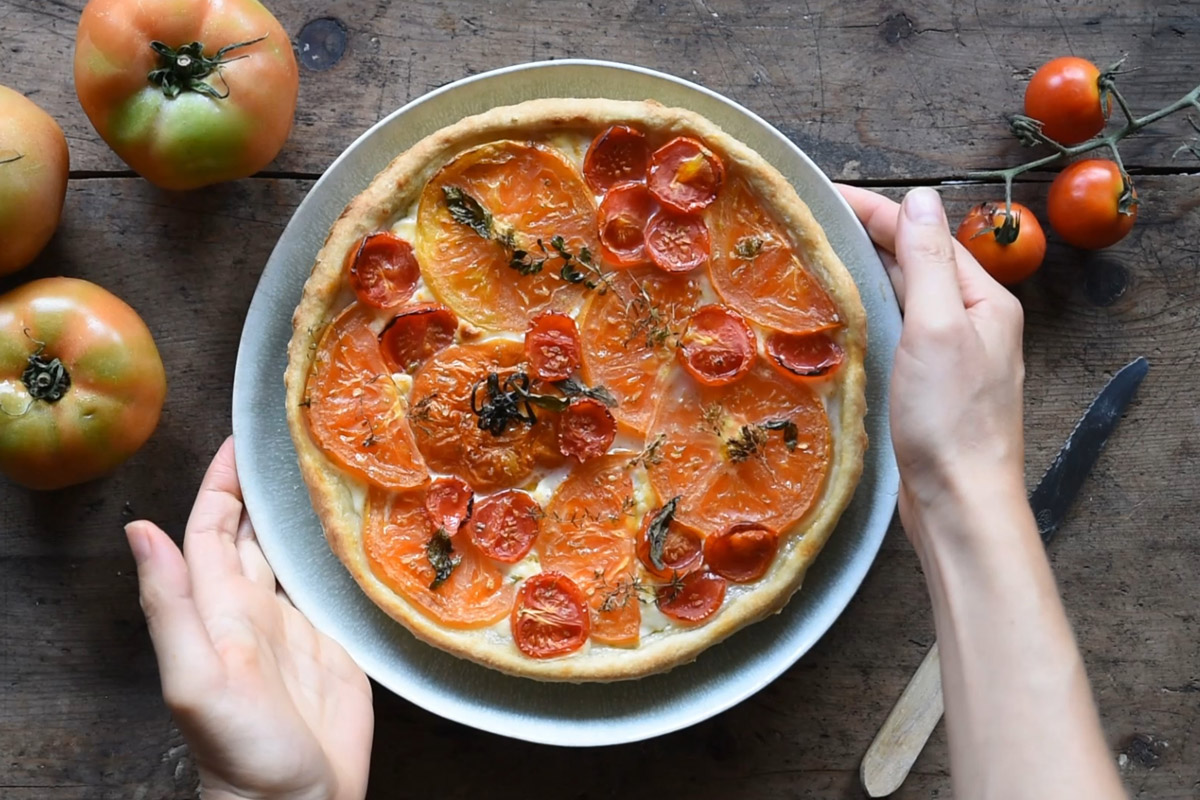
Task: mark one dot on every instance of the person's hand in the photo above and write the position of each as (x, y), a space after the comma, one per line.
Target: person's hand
(271, 708)
(956, 392)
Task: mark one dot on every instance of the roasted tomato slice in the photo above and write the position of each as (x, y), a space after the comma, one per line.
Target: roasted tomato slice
(803, 357)
(505, 525)
(680, 547)
(685, 175)
(624, 213)
(550, 617)
(586, 429)
(589, 536)
(693, 598)
(758, 272)
(396, 536)
(447, 431)
(355, 412)
(383, 270)
(743, 552)
(552, 346)
(717, 347)
(618, 155)
(677, 242)
(449, 502)
(415, 334)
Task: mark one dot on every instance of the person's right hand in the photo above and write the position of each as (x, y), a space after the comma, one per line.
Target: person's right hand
(956, 392)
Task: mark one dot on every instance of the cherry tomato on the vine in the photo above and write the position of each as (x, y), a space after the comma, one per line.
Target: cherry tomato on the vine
(1066, 97)
(1089, 204)
(1009, 246)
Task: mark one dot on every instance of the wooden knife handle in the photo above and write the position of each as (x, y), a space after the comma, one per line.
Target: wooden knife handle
(907, 728)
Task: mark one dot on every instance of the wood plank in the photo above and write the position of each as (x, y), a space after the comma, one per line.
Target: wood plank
(868, 89)
(82, 718)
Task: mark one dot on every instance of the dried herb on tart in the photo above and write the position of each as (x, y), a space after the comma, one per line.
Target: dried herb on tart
(748, 247)
(656, 531)
(750, 439)
(651, 455)
(440, 552)
(498, 403)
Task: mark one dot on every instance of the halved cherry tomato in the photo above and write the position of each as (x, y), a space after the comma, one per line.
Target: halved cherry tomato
(743, 552)
(685, 175)
(415, 334)
(677, 242)
(552, 346)
(693, 598)
(682, 549)
(383, 270)
(1085, 204)
(586, 429)
(717, 347)
(449, 502)
(624, 213)
(804, 356)
(617, 155)
(550, 617)
(505, 525)
(1065, 96)
(1010, 248)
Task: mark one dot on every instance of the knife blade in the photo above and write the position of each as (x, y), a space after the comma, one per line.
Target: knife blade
(903, 735)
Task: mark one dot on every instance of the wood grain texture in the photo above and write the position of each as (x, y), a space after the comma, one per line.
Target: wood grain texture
(888, 94)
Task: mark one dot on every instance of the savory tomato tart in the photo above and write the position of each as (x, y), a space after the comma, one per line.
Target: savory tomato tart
(577, 388)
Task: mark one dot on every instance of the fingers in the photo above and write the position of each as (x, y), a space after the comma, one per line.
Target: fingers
(187, 662)
(925, 251)
(878, 214)
(209, 543)
(254, 563)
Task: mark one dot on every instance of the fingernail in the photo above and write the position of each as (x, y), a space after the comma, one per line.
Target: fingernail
(923, 205)
(139, 543)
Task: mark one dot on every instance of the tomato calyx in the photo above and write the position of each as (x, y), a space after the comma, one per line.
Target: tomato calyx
(46, 379)
(1007, 231)
(184, 68)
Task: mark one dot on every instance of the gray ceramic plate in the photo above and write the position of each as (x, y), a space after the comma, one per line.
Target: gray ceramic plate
(577, 715)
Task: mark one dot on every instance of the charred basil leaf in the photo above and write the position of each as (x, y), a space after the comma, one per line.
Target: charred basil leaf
(440, 552)
(656, 531)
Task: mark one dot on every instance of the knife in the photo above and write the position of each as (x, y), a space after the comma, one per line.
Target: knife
(904, 733)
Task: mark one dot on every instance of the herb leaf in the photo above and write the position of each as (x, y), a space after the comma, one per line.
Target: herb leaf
(440, 552)
(466, 210)
(790, 433)
(748, 247)
(571, 387)
(656, 531)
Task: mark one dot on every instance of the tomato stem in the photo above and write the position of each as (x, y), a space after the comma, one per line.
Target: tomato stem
(185, 68)
(1135, 124)
(46, 379)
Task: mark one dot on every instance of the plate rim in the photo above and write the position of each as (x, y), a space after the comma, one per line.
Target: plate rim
(443, 704)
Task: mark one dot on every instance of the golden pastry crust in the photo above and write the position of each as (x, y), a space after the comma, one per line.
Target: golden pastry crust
(340, 506)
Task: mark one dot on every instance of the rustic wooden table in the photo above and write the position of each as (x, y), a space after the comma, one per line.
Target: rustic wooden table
(880, 93)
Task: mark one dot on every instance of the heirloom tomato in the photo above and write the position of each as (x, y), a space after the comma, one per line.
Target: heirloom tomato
(81, 383)
(33, 179)
(187, 92)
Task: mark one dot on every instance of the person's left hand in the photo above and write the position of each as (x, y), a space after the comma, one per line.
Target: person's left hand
(270, 707)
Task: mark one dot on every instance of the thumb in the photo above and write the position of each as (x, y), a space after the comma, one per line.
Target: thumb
(925, 253)
(187, 662)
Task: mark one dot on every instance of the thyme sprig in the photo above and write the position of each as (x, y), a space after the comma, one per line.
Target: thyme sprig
(751, 439)
(498, 403)
(577, 267)
(748, 247)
